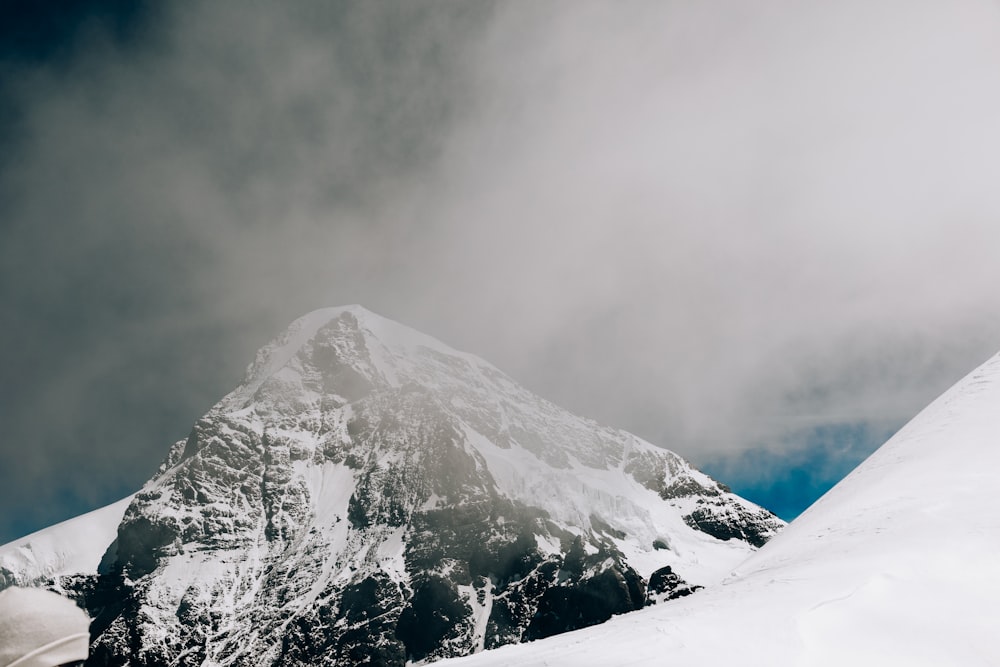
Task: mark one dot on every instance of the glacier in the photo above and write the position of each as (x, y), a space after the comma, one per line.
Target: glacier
(896, 565)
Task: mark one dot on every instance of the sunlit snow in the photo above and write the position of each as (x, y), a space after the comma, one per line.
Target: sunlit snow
(896, 565)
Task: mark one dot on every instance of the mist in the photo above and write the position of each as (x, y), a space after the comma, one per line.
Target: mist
(721, 226)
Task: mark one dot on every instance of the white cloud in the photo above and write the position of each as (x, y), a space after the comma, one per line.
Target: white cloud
(705, 222)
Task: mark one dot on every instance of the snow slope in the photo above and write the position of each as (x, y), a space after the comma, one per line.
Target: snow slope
(896, 565)
(75, 546)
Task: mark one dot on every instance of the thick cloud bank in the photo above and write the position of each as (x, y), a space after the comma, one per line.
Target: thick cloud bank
(718, 225)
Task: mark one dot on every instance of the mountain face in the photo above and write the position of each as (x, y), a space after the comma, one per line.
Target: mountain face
(370, 496)
(896, 565)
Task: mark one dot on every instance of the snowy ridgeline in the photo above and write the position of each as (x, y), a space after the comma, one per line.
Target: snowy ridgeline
(896, 565)
(369, 495)
(75, 546)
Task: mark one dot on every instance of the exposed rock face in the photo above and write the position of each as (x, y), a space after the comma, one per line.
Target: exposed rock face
(370, 496)
(665, 585)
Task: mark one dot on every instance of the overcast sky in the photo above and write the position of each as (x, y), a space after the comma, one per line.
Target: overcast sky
(762, 234)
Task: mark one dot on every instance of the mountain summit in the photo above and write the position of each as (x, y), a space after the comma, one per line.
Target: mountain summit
(368, 495)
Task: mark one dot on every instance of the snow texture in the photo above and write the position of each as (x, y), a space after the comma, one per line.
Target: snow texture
(896, 565)
(71, 547)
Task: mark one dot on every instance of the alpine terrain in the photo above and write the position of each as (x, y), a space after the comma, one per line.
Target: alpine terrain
(896, 565)
(368, 495)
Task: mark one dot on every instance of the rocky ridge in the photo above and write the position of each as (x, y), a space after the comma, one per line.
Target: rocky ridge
(370, 496)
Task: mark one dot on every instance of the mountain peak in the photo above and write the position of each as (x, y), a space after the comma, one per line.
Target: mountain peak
(346, 340)
(412, 500)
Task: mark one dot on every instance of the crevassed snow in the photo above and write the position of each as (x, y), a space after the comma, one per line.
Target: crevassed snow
(896, 565)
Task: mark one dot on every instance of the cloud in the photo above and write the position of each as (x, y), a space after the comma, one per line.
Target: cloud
(811, 460)
(710, 224)
(701, 217)
(171, 202)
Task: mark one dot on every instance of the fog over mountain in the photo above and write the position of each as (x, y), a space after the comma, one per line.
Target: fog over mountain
(761, 236)
(368, 495)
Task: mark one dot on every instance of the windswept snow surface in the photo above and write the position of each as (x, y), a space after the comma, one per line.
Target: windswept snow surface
(896, 565)
(75, 546)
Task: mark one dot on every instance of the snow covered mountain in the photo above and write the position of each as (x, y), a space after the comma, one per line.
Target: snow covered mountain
(77, 546)
(369, 495)
(896, 565)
